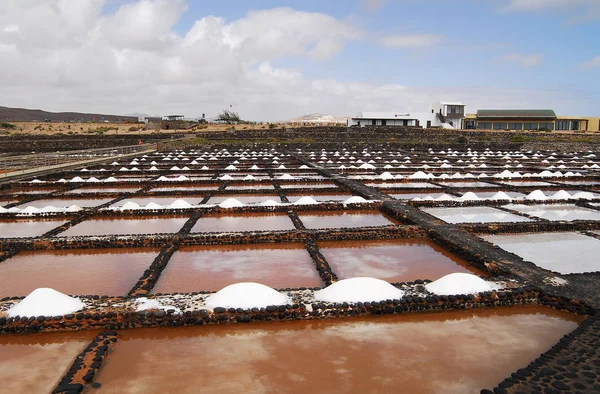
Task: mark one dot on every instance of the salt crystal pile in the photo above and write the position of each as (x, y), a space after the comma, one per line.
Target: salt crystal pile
(246, 295)
(458, 283)
(360, 289)
(46, 302)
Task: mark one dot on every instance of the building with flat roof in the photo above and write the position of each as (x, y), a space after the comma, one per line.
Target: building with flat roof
(528, 120)
(448, 115)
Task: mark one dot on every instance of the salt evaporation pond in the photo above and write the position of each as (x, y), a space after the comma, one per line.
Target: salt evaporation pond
(305, 185)
(321, 197)
(245, 222)
(557, 212)
(525, 183)
(108, 189)
(137, 225)
(99, 271)
(35, 363)
(251, 187)
(443, 353)
(467, 184)
(160, 200)
(198, 268)
(27, 228)
(245, 198)
(348, 219)
(474, 215)
(566, 253)
(410, 196)
(487, 195)
(185, 188)
(399, 260)
(405, 185)
(63, 203)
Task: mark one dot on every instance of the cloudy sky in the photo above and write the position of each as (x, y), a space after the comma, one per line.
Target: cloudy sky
(273, 60)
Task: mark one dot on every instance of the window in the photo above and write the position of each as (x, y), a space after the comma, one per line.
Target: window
(563, 125)
(546, 126)
(500, 126)
(530, 126)
(383, 122)
(373, 122)
(575, 125)
(484, 125)
(515, 126)
(455, 109)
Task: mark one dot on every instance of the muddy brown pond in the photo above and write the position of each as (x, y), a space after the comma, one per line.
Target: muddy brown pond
(450, 352)
(399, 260)
(212, 268)
(100, 271)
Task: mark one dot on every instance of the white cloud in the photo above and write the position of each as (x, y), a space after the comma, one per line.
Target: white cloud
(575, 11)
(523, 60)
(592, 63)
(410, 41)
(66, 55)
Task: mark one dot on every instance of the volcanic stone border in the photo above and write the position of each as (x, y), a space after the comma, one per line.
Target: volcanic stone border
(115, 313)
(86, 365)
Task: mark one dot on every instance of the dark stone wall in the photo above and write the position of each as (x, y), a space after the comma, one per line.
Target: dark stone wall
(52, 143)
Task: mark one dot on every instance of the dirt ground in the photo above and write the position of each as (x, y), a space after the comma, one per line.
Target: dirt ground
(84, 128)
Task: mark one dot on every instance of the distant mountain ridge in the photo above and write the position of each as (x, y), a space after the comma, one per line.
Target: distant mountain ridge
(317, 118)
(37, 115)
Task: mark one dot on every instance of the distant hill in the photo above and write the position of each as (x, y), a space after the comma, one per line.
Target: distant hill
(37, 115)
(316, 118)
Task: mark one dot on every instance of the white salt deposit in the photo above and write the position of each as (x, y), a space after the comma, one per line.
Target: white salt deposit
(46, 302)
(231, 203)
(130, 205)
(306, 200)
(30, 210)
(145, 304)
(77, 179)
(536, 195)
(246, 295)
(153, 205)
(355, 200)
(360, 289)
(249, 177)
(73, 208)
(269, 203)
(226, 178)
(110, 179)
(500, 196)
(231, 167)
(418, 175)
(153, 168)
(469, 196)
(584, 195)
(182, 178)
(180, 204)
(286, 176)
(386, 175)
(458, 283)
(561, 195)
(367, 166)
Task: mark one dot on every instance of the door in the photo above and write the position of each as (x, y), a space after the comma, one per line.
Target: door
(428, 124)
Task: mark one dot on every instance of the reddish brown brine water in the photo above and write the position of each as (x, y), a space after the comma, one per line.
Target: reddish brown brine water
(451, 352)
(101, 271)
(243, 222)
(362, 218)
(160, 200)
(399, 260)
(35, 363)
(139, 225)
(27, 228)
(212, 268)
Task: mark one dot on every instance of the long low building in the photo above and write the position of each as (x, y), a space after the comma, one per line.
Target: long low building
(448, 115)
(528, 120)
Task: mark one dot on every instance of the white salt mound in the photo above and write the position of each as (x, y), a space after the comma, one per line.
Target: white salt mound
(46, 302)
(153, 205)
(500, 196)
(246, 295)
(306, 200)
(458, 283)
(360, 289)
(386, 175)
(536, 195)
(355, 200)
(130, 205)
(286, 176)
(269, 203)
(469, 196)
(180, 204)
(226, 178)
(231, 203)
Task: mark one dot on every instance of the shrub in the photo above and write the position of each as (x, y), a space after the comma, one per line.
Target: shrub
(462, 139)
(5, 125)
(133, 128)
(272, 125)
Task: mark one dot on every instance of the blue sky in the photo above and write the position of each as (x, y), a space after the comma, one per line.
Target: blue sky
(352, 55)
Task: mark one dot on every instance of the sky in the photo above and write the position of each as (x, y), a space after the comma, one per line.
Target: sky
(275, 60)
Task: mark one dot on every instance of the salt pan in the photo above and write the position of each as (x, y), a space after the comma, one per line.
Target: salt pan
(360, 289)
(246, 295)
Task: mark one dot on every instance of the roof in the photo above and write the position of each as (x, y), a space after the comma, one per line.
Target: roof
(385, 115)
(452, 103)
(516, 113)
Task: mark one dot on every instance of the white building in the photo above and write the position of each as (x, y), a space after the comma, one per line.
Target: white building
(443, 114)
